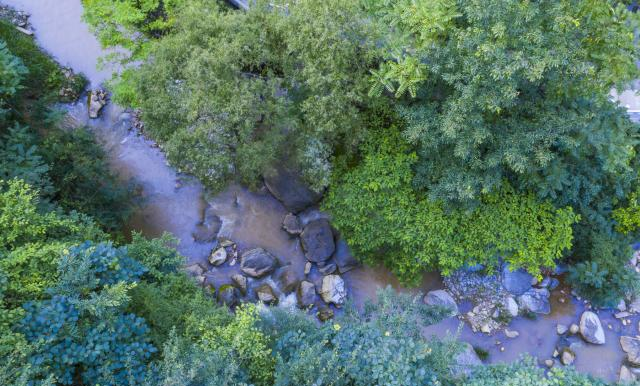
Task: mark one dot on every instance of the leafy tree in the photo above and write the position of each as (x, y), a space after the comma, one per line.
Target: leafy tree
(79, 171)
(129, 24)
(11, 73)
(236, 94)
(382, 217)
(82, 331)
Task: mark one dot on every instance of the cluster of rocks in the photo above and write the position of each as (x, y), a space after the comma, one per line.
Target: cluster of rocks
(588, 329)
(97, 100)
(137, 122)
(19, 19)
(257, 275)
(498, 298)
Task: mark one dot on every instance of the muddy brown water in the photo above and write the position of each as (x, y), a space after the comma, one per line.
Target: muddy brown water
(253, 219)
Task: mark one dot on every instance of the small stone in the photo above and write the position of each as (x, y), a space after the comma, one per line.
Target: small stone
(622, 305)
(24, 30)
(511, 334)
(306, 294)
(233, 261)
(549, 363)
(568, 357)
(218, 256)
(226, 243)
(511, 306)
(574, 329)
(485, 328)
(561, 329)
(266, 295)
(307, 268)
(441, 298)
(291, 224)
(555, 353)
(194, 269)
(561, 300)
(502, 349)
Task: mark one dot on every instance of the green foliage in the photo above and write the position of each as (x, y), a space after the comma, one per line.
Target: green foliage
(130, 23)
(606, 277)
(382, 217)
(242, 340)
(383, 346)
(79, 171)
(628, 217)
(11, 73)
(186, 364)
(526, 373)
(234, 94)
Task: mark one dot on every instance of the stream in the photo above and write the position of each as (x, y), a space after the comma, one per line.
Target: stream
(176, 203)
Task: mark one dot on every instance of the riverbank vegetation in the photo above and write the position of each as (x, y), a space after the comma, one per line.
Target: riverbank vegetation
(495, 115)
(443, 134)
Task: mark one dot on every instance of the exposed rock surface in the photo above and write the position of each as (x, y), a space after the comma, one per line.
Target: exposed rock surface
(626, 376)
(292, 224)
(631, 346)
(286, 279)
(511, 306)
(511, 333)
(194, 269)
(516, 282)
(443, 299)
(289, 189)
(333, 290)
(241, 282)
(567, 357)
(266, 294)
(218, 256)
(535, 300)
(328, 269)
(317, 241)
(325, 313)
(228, 294)
(306, 294)
(591, 328)
(561, 329)
(257, 263)
(97, 100)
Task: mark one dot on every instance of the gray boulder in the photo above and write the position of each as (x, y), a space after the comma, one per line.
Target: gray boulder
(218, 256)
(443, 299)
(511, 306)
(286, 279)
(324, 313)
(195, 270)
(228, 294)
(97, 100)
(266, 294)
(292, 224)
(306, 294)
(626, 376)
(333, 290)
(567, 357)
(289, 189)
(535, 300)
(258, 263)
(343, 257)
(516, 282)
(591, 328)
(317, 241)
(328, 269)
(241, 282)
(631, 346)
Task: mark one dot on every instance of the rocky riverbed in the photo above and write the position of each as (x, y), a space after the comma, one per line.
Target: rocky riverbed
(276, 247)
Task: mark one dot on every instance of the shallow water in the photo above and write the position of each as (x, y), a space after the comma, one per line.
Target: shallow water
(253, 219)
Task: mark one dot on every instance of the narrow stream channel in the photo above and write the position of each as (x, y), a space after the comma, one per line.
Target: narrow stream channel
(176, 203)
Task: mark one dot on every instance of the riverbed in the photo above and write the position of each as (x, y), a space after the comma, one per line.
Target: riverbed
(176, 203)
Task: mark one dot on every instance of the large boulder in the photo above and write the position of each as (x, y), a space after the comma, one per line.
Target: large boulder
(510, 306)
(266, 294)
(333, 290)
(97, 100)
(317, 241)
(306, 294)
(241, 282)
(517, 282)
(591, 328)
(343, 257)
(258, 263)
(535, 300)
(289, 189)
(465, 361)
(631, 346)
(441, 298)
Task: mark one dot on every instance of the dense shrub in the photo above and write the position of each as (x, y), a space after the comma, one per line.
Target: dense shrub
(384, 219)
